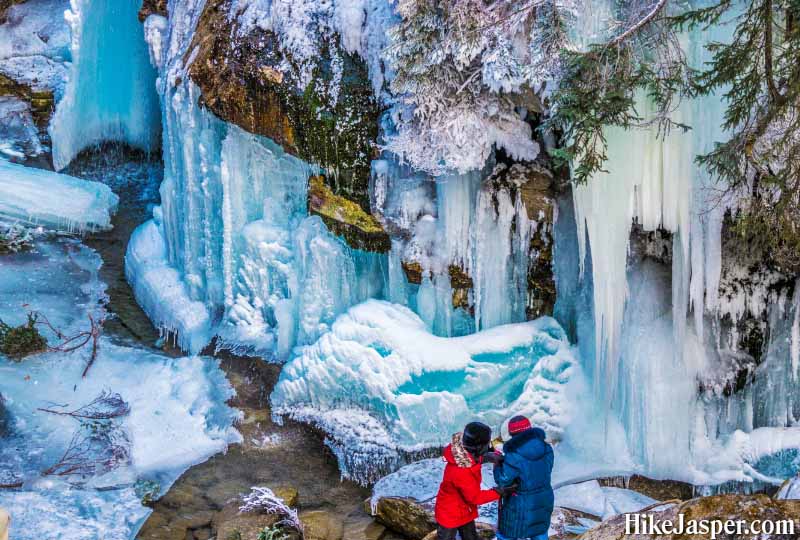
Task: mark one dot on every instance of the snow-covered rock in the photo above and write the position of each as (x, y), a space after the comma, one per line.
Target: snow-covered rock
(53, 200)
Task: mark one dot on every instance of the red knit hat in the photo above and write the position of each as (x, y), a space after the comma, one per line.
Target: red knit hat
(518, 424)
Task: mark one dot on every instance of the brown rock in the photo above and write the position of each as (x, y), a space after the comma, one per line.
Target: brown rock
(152, 7)
(361, 526)
(322, 525)
(346, 218)
(720, 507)
(405, 516)
(288, 495)
(413, 271)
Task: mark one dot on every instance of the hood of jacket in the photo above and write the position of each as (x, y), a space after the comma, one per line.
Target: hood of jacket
(530, 444)
(456, 454)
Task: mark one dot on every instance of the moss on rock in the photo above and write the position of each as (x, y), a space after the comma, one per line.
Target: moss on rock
(249, 79)
(346, 218)
(16, 342)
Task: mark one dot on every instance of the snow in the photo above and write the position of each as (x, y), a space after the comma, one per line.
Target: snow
(178, 414)
(110, 94)
(380, 362)
(601, 501)
(53, 200)
(36, 27)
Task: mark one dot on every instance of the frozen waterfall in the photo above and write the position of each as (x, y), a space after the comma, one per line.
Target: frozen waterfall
(110, 94)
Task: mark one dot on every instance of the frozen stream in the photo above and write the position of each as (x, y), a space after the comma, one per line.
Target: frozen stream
(178, 412)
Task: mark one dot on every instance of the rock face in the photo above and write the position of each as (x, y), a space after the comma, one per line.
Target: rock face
(152, 7)
(346, 218)
(4, 5)
(536, 187)
(720, 507)
(247, 78)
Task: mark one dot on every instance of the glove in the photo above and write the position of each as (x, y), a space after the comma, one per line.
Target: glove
(505, 491)
(494, 457)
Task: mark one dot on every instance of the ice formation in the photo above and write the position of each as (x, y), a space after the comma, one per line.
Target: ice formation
(657, 336)
(381, 377)
(53, 200)
(178, 416)
(110, 95)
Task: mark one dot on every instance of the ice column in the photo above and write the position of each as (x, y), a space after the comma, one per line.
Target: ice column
(110, 94)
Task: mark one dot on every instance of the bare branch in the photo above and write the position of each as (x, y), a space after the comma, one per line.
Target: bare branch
(639, 25)
(106, 406)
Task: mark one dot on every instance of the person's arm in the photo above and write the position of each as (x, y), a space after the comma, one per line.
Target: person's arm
(471, 491)
(507, 472)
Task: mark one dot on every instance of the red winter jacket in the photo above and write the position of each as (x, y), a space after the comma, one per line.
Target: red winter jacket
(460, 493)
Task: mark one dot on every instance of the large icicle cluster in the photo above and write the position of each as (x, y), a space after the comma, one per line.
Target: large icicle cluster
(109, 95)
(659, 340)
(232, 251)
(461, 221)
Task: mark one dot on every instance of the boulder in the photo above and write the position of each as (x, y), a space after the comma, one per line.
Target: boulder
(248, 78)
(345, 218)
(406, 516)
(359, 525)
(322, 525)
(718, 507)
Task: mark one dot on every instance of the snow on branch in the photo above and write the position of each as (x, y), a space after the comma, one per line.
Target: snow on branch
(105, 406)
(263, 500)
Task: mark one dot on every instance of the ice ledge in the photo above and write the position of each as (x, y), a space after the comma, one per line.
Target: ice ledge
(53, 200)
(160, 290)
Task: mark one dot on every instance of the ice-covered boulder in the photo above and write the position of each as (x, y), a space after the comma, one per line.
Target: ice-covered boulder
(380, 383)
(53, 200)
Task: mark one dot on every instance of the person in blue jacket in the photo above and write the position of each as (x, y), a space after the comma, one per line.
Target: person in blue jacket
(528, 460)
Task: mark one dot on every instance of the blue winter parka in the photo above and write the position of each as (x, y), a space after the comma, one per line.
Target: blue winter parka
(529, 461)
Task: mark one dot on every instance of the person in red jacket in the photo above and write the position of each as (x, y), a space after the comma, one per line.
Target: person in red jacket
(460, 492)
